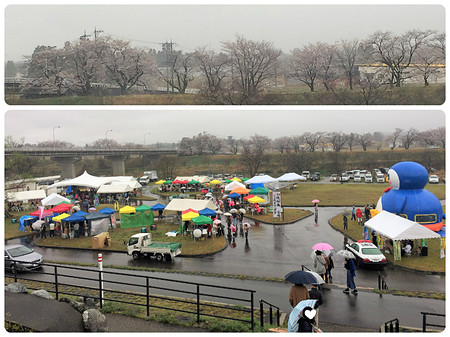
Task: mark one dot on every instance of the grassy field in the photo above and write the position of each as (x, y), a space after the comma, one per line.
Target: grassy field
(289, 95)
(342, 194)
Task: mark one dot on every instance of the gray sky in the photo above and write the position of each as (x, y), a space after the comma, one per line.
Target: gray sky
(192, 26)
(86, 126)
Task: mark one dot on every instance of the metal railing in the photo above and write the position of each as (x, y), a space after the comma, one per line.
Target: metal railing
(261, 313)
(392, 326)
(425, 324)
(195, 298)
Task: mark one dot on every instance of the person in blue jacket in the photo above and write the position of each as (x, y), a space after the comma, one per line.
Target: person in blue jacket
(350, 267)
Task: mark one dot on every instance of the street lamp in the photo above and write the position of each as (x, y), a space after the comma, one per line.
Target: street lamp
(56, 127)
(148, 133)
(106, 134)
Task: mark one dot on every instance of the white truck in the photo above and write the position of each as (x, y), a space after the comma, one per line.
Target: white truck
(152, 175)
(144, 180)
(140, 245)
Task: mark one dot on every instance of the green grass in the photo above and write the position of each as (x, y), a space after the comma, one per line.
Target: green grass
(342, 194)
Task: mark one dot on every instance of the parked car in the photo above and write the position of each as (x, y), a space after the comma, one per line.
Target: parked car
(367, 254)
(334, 177)
(434, 179)
(380, 178)
(368, 178)
(19, 257)
(344, 177)
(350, 174)
(306, 174)
(315, 176)
(357, 178)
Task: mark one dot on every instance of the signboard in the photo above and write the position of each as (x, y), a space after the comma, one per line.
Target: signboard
(276, 199)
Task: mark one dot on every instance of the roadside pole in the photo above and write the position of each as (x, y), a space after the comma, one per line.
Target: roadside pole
(100, 267)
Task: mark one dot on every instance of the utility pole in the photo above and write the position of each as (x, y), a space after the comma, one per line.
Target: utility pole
(167, 47)
(84, 36)
(97, 33)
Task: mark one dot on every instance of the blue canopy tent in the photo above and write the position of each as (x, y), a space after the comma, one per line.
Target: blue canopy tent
(76, 217)
(107, 210)
(158, 207)
(98, 222)
(207, 212)
(234, 196)
(26, 220)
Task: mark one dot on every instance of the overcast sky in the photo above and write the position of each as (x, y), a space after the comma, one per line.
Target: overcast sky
(192, 26)
(84, 127)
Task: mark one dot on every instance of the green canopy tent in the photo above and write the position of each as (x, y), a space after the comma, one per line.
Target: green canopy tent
(259, 190)
(201, 220)
(143, 208)
(193, 182)
(138, 219)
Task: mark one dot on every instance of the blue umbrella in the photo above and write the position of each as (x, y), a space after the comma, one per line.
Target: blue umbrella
(158, 207)
(296, 312)
(207, 212)
(300, 277)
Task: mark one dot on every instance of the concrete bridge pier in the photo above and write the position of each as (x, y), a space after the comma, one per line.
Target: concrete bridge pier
(67, 166)
(118, 164)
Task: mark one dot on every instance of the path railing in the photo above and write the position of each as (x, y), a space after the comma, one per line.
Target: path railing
(426, 324)
(261, 313)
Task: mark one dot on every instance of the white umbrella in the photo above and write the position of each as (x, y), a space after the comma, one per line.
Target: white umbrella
(233, 210)
(346, 254)
(217, 221)
(242, 210)
(227, 214)
(219, 212)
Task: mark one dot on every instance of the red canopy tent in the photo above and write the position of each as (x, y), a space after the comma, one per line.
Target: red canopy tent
(61, 208)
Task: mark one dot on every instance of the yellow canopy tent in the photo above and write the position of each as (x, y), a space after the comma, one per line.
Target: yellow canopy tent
(127, 210)
(60, 217)
(256, 200)
(236, 179)
(188, 216)
(215, 182)
(160, 182)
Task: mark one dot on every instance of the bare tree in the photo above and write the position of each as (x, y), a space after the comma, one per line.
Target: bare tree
(338, 140)
(347, 54)
(440, 135)
(56, 144)
(232, 145)
(181, 68)
(186, 146)
(395, 137)
(252, 64)
(365, 140)
(214, 144)
(427, 138)
(105, 144)
(166, 166)
(351, 139)
(299, 161)
(296, 142)
(305, 65)
(312, 139)
(282, 144)
(327, 71)
(397, 52)
(427, 59)
(200, 143)
(254, 152)
(409, 138)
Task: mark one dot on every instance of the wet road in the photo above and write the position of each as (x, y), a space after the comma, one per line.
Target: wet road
(273, 251)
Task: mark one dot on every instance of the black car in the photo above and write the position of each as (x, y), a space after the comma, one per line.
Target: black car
(315, 177)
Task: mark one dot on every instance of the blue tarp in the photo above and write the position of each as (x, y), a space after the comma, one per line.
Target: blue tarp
(207, 212)
(76, 217)
(107, 210)
(25, 218)
(158, 207)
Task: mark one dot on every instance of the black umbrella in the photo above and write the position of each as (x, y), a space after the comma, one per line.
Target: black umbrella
(300, 277)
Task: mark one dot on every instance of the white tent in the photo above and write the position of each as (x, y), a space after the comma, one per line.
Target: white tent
(234, 184)
(183, 204)
(54, 199)
(25, 195)
(290, 177)
(264, 179)
(397, 228)
(85, 180)
(115, 188)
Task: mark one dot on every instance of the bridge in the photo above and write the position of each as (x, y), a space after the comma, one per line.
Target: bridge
(67, 157)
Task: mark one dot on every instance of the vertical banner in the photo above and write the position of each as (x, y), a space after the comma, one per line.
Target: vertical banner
(96, 201)
(442, 247)
(276, 202)
(366, 234)
(397, 251)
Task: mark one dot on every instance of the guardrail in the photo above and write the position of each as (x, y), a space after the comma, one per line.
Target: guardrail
(261, 313)
(425, 324)
(200, 296)
(381, 282)
(392, 326)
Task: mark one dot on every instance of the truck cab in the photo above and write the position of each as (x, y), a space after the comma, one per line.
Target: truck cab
(144, 180)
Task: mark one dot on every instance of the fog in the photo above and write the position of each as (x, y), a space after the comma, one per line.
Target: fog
(82, 127)
(192, 26)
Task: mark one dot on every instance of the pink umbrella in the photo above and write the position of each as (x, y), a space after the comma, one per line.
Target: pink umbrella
(322, 246)
(315, 201)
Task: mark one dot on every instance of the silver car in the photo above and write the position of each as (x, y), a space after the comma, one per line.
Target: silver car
(20, 257)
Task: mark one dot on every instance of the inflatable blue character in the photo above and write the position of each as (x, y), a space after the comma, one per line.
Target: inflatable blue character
(407, 197)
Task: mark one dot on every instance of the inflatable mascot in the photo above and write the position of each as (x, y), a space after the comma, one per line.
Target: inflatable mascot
(407, 197)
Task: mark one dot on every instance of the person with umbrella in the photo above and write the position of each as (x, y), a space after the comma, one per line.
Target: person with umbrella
(320, 264)
(316, 294)
(298, 293)
(350, 267)
(302, 316)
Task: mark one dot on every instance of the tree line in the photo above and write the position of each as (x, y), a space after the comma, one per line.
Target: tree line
(240, 71)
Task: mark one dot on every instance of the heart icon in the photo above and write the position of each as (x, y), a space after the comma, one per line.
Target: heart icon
(310, 313)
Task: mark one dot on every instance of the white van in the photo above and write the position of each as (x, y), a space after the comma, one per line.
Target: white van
(144, 180)
(306, 174)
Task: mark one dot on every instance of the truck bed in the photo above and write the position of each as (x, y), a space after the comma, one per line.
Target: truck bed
(172, 245)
